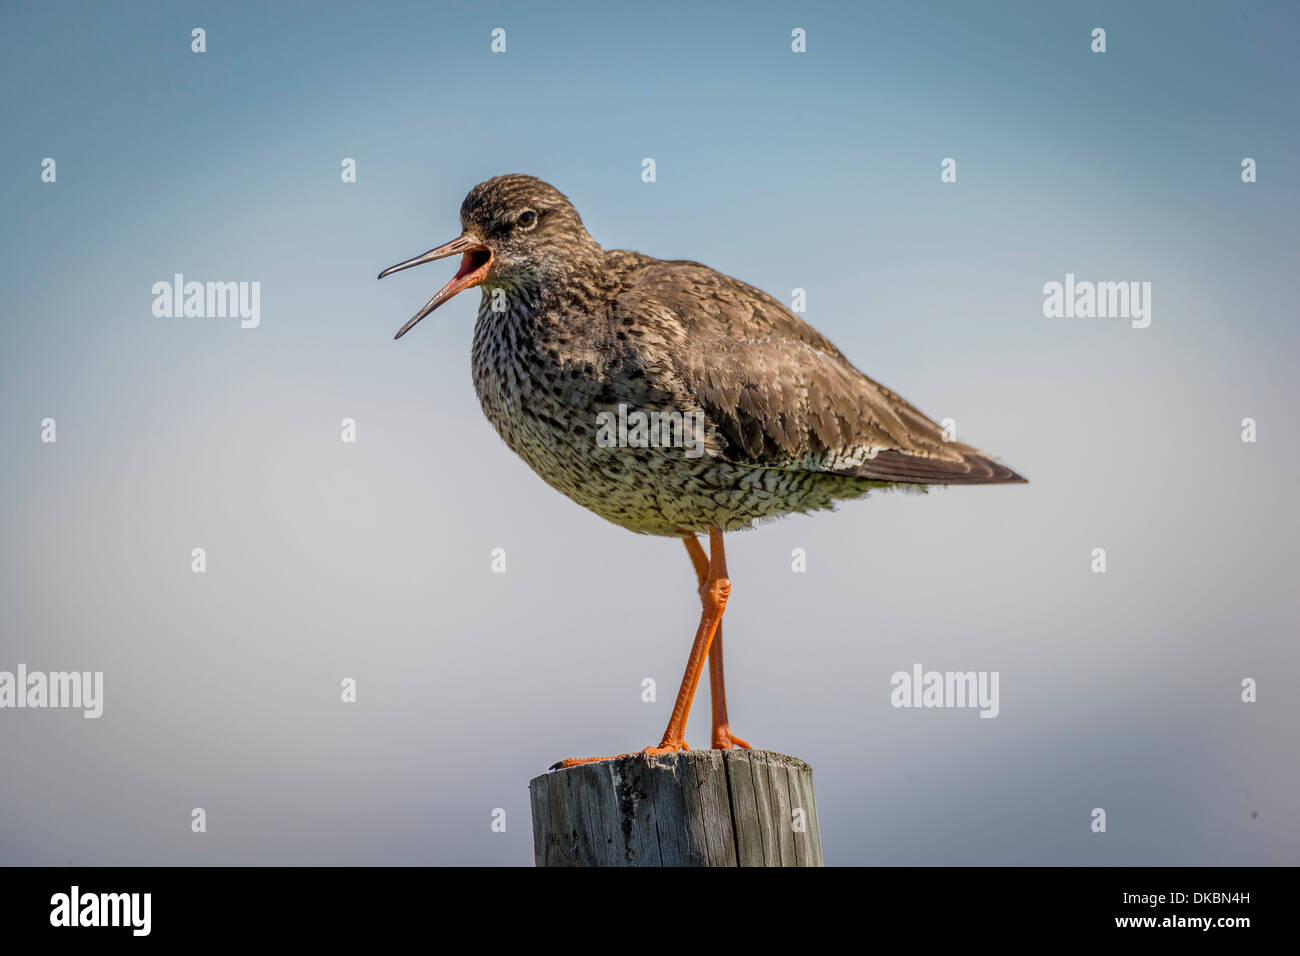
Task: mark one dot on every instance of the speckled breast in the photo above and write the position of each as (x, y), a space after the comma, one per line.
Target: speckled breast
(556, 403)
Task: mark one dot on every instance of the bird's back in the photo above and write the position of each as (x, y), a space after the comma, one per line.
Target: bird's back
(779, 393)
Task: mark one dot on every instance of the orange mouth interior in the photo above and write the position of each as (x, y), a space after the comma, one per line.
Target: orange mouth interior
(473, 263)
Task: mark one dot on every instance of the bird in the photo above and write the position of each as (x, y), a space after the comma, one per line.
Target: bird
(671, 399)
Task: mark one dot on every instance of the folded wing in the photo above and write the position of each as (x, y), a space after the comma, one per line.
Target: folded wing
(782, 396)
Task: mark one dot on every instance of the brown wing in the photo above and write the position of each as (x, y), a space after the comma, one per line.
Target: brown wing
(782, 396)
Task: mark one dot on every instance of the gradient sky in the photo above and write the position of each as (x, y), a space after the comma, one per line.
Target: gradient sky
(819, 171)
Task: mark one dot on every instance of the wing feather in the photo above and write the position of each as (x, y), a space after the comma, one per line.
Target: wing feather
(780, 395)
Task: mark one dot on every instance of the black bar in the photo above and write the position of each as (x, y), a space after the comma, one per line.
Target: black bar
(245, 904)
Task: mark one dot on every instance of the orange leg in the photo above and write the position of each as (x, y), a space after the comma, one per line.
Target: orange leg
(723, 738)
(714, 592)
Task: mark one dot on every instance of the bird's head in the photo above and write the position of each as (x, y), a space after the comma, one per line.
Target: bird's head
(517, 234)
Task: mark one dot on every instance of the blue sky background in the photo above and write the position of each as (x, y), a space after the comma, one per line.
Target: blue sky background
(372, 560)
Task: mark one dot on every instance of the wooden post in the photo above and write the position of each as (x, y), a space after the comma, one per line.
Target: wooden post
(695, 808)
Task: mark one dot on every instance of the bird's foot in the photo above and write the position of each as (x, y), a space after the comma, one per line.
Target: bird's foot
(663, 748)
(579, 761)
(724, 739)
(666, 747)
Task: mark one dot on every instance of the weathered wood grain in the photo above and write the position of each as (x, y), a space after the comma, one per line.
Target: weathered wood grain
(696, 808)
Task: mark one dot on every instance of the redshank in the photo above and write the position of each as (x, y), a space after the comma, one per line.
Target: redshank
(758, 414)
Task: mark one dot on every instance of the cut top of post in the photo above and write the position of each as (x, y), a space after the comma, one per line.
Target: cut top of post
(693, 808)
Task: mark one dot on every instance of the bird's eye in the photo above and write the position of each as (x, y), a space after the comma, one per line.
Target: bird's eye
(527, 219)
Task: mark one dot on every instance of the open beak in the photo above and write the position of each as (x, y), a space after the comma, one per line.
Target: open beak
(473, 270)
